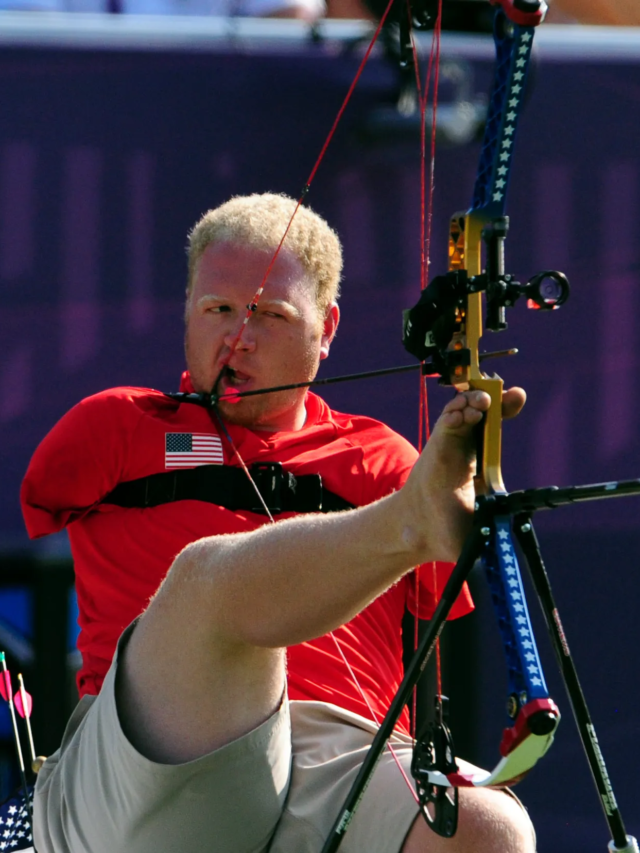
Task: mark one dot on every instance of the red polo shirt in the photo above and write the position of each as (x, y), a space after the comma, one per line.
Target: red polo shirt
(121, 555)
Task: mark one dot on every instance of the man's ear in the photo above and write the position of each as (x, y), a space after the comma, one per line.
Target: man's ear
(329, 328)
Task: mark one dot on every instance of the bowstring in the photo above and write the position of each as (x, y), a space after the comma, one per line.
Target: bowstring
(243, 464)
(425, 247)
(374, 716)
(252, 306)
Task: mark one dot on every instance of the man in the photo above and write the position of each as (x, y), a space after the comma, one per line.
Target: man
(192, 742)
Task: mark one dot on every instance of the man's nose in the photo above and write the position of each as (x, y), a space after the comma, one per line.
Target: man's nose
(241, 337)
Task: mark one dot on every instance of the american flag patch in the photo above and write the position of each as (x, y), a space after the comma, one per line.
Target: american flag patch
(188, 449)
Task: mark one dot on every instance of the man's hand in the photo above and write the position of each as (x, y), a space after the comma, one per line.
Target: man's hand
(440, 490)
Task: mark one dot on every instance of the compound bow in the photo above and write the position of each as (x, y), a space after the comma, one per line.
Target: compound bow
(444, 331)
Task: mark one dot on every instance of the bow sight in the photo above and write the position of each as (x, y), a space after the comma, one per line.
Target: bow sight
(434, 328)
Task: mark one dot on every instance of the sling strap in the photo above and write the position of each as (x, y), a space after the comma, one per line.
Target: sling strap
(229, 487)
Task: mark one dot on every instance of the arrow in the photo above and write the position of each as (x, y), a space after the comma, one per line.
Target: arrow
(24, 706)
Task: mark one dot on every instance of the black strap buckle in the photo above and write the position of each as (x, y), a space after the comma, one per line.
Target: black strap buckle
(272, 481)
(282, 491)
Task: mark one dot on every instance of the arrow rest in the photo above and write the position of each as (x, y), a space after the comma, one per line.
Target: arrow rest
(434, 753)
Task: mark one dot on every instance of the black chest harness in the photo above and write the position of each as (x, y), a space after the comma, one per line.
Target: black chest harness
(230, 487)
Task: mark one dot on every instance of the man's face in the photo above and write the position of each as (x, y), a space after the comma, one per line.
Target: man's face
(283, 342)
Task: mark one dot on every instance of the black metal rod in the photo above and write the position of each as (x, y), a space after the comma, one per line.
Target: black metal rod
(470, 553)
(210, 400)
(330, 380)
(528, 541)
(551, 497)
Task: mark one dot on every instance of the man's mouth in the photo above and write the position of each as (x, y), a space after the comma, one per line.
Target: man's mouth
(236, 376)
(233, 382)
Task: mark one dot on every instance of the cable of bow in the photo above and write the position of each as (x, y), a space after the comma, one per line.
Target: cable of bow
(427, 186)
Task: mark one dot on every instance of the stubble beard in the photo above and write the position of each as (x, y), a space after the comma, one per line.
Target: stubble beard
(259, 411)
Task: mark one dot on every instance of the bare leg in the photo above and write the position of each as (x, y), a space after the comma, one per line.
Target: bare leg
(181, 692)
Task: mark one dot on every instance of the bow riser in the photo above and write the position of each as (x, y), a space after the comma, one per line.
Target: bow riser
(465, 253)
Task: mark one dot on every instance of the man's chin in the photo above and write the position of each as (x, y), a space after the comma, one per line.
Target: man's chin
(269, 412)
(253, 414)
(238, 413)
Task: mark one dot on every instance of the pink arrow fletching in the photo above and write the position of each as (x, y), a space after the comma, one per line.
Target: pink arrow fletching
(5, 686)
(231, 395)
(28, 702)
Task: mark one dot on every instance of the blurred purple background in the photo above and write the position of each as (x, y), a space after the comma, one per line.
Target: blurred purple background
(107, 159)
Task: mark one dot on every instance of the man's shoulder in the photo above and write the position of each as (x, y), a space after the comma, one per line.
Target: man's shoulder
(377, 460)
(127, 396)
(370, 432)
(122, 408)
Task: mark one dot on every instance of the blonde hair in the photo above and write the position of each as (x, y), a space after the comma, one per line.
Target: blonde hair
(260, 221)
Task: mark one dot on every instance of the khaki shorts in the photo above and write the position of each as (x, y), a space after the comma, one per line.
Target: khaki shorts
(277, 789)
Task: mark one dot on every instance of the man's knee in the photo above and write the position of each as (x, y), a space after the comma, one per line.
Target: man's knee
(489, 821)
(496, 821)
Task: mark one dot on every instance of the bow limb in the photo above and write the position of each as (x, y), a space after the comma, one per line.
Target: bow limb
(468, 227)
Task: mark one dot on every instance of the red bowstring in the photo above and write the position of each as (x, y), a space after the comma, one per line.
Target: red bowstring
(256, 298)
(235, 452)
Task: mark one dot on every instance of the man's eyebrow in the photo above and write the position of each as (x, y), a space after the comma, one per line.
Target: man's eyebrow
(280, 303)
(212, 297)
